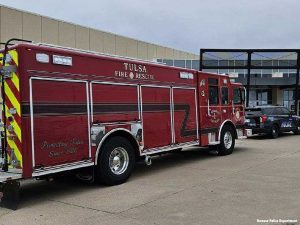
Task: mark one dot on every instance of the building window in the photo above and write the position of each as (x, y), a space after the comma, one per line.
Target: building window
(168, 62)
(179, 63)
(188, 64)
(260, 97)
(195, 64)
(288, 98)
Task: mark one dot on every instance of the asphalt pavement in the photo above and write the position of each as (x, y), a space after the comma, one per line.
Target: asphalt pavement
(258, 184)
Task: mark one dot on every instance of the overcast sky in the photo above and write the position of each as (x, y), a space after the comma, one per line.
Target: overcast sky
(187, 25)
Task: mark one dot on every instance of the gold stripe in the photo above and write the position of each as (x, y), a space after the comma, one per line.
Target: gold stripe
(12, 98)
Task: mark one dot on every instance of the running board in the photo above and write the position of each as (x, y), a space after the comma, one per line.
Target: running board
(61, 168)
(169, 148)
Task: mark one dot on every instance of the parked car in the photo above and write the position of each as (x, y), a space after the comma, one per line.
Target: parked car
(271, 120)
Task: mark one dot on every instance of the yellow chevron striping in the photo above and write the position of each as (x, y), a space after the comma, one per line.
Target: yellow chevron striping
(16, 104)
(12, 98)
(15, 80)
(13, 146)
(15, 125)
(14, 56)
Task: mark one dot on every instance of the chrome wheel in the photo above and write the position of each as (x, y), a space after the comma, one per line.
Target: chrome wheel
(118, 160)
(228, 140)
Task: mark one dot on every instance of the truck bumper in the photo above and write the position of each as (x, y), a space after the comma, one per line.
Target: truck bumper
(241, 133)
(11, 174)
(255, 130)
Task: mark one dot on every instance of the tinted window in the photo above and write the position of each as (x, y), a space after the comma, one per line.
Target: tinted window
(243, 94)
(253, 111)
(213, 95)
(212, 81)
(237, 98)
(285, 111)
(225, 96)
(268, 111)
(277, 111)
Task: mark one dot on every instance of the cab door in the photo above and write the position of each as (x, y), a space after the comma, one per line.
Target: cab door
(238, 100)
(226, 110)
(210, 113)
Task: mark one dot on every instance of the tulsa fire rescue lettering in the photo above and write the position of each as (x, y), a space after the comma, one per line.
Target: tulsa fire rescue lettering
(134, 71)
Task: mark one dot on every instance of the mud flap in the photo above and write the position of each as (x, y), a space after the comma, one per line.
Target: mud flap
(10, 195)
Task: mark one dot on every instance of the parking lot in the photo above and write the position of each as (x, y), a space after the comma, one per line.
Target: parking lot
(259, 181)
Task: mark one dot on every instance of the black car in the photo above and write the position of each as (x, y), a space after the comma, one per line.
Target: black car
(271, 120)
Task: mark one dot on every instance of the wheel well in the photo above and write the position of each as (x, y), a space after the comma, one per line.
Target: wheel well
(128, 136)
(230, 124)
(277, 125)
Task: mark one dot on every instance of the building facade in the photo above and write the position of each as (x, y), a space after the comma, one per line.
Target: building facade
(19, 24)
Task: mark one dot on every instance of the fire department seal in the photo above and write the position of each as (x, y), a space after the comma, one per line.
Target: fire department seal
(215, 116)
(131, 75)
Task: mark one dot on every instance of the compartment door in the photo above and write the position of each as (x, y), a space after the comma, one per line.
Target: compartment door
(59, 121)
(156, 111)
(185, 115)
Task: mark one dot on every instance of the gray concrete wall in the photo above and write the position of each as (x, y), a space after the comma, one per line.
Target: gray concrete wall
(20, 24)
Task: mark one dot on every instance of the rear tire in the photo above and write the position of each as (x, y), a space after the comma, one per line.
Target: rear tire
(227, 141)
(116, 161)
(297, 131)
(274, 131)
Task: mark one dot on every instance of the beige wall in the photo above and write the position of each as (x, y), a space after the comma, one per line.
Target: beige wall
(277, 96)
(19, 24)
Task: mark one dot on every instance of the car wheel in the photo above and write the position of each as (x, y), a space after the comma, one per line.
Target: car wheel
(227, 141)
(116, 161)
(297, 131)
(274, 131)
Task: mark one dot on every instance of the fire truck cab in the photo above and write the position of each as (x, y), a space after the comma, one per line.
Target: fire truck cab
(66, 109)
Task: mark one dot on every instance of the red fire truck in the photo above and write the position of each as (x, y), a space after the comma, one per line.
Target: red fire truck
(66, 109)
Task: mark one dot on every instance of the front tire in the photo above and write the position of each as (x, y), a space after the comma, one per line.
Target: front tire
(227, 141)
(116, 161)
